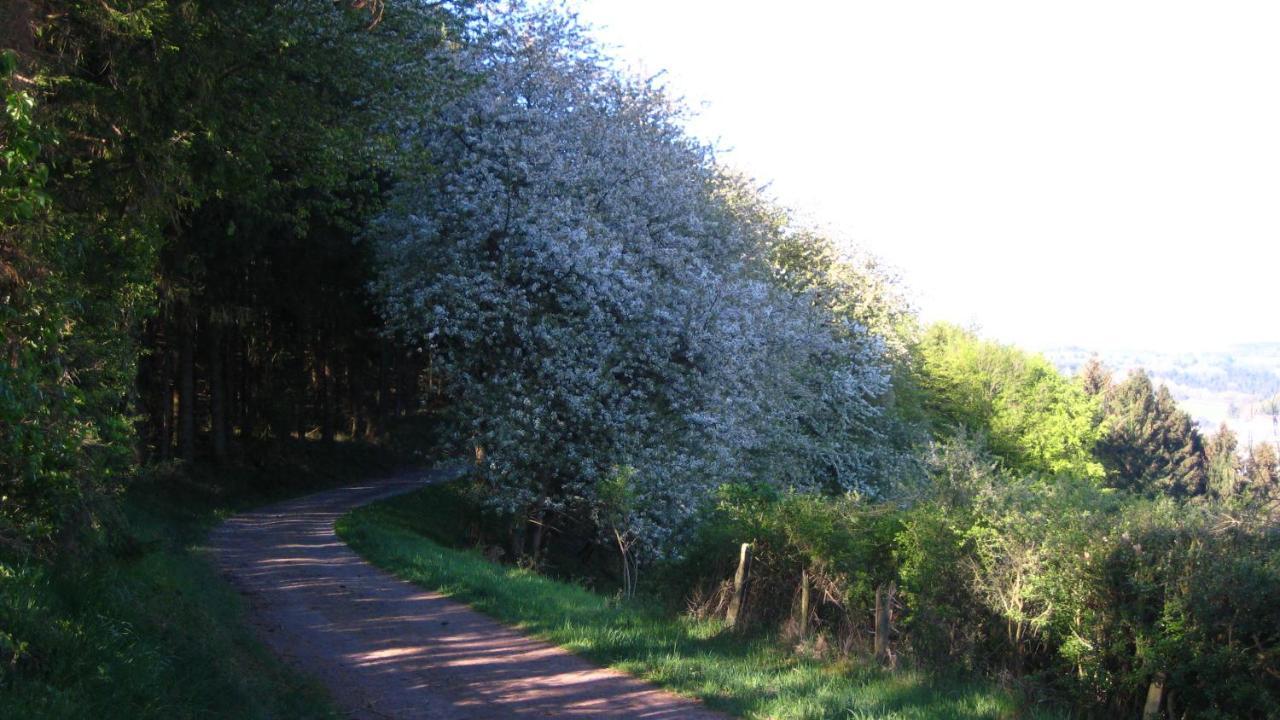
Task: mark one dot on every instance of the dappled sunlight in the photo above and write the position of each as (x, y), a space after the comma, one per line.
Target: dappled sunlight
(385, 644)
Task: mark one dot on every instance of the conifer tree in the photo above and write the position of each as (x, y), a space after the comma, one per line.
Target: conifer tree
(1262, 469)
(1095, 378)
(1223, 463)
(1149, 445)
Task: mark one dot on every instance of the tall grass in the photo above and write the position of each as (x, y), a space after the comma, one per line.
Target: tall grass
(749, 677)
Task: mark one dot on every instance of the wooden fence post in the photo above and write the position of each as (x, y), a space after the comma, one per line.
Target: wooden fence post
(884, 611)
(741, 581)
(804, 604)
(1155, 697)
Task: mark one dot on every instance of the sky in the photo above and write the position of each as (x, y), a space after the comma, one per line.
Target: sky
(1096, 174)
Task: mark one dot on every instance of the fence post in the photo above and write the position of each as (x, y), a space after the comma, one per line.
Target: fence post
(804, 604)
(884, 610)
(741, 581)
(1155, 697)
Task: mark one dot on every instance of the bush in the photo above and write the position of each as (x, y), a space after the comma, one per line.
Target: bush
(1181, 591)
(842, 544)
(1074, 591)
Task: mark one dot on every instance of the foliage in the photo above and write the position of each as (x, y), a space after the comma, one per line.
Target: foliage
(1262, 470)
(842, 545)
(1035, 420)
(1080, 591)
(1222, 463)
(1149, 444)
(184, 177)
(72, 286)
(594, 303)
(1093, 592)
(1180, 591)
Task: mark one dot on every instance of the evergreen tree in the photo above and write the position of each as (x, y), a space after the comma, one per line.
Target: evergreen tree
(1222, 462)
(1095, 378)
(1262, 469)
(1149, 445)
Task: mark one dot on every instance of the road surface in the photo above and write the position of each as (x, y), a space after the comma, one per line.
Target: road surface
(388, 649)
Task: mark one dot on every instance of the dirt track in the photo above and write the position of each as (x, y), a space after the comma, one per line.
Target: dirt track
(388, 649)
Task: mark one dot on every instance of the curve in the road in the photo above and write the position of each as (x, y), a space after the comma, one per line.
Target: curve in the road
(388, 649)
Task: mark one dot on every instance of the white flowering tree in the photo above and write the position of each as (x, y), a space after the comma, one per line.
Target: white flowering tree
(598, 300)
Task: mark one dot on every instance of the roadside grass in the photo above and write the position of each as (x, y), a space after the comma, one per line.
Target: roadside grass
(145, 627)
(749, 677)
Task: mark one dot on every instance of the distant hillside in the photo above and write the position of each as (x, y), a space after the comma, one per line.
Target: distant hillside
(1239, 385)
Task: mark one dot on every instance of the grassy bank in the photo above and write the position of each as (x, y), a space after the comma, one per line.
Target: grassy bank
(145, 627)
(753, 678)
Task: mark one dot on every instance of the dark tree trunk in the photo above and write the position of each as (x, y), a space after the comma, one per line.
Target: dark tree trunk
(516, 537)
(326, 401)
(384, 384)
(234, 372)
(398, 369)
(535, 543)
(165, 402)
(168, 408)
(245, 419)
(187, 393)
(217, 394)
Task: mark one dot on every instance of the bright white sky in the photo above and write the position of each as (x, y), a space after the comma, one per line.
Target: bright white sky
(1100, 173)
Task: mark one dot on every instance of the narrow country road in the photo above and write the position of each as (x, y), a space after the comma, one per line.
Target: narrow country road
(388, 649)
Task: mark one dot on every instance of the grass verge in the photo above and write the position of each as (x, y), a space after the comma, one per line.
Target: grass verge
(748, 677)
(147, 628)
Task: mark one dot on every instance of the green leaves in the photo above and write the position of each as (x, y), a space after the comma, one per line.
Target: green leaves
(1035, 419)
(22, 176)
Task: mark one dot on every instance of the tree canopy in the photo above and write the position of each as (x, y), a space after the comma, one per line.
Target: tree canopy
(1033, 418)
(601, 296)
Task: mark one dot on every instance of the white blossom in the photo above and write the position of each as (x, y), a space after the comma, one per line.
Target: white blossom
(597, 300)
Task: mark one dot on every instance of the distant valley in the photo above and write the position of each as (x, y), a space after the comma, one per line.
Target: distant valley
(1239, 385)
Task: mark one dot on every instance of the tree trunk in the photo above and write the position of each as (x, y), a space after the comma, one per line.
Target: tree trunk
(884, 623)
(234, 371)
(741, 585)
(165, 401)
(326, 405)
(167, 410)
(516, 537)
(187, 394)
(217, 394)
(397, 372)
(535, 542)
(300, 419)
(384, 385)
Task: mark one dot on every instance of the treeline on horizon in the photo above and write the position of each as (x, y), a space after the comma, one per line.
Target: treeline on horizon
(228, 224)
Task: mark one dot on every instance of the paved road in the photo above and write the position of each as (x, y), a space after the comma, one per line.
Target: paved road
(388, 649)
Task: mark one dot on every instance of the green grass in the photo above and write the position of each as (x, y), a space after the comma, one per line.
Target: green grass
(146, 627)
(753, 678)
